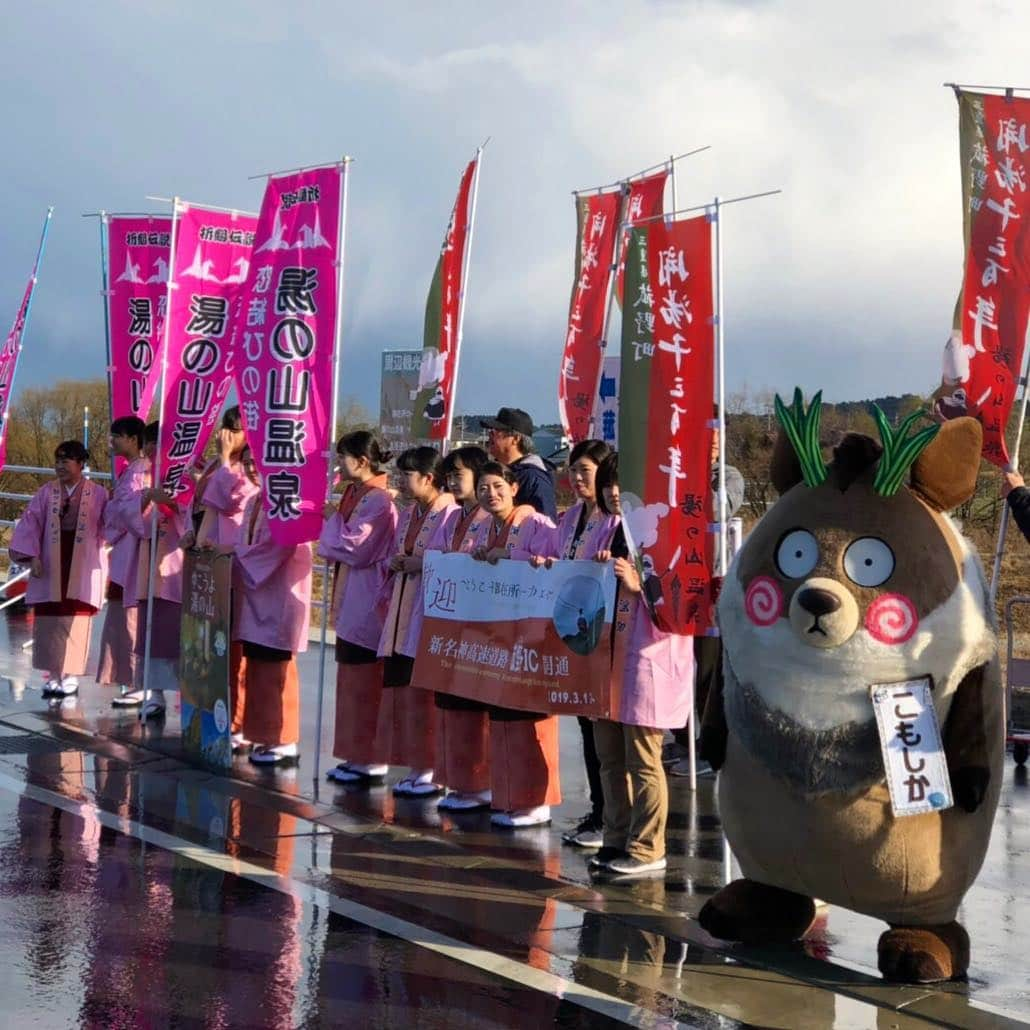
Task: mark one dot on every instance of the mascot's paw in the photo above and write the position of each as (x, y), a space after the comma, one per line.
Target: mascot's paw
(969, 786)
(755, 913)
(924, 954)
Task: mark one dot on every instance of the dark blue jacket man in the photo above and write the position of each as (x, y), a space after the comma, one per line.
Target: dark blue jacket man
(511, 443)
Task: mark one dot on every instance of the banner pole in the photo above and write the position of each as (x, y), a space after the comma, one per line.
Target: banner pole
(105, 293)
(155, 479)
(461, 299)
(327, 588)
(1013, 466)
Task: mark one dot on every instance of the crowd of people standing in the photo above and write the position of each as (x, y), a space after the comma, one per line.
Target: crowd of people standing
(84, 546)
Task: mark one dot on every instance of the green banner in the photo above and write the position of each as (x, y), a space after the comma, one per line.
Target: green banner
(635, 371)
(421, 426)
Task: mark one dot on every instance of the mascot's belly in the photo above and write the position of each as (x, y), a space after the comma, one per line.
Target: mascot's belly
(851, 850)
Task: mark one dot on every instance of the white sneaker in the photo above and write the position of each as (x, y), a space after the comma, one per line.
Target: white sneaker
(275, 754)
(520, 817)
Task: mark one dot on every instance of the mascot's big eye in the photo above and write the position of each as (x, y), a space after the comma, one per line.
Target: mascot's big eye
(869, 562)
(797, 554)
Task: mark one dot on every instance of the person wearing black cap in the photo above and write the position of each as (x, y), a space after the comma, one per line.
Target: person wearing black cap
(510, 441)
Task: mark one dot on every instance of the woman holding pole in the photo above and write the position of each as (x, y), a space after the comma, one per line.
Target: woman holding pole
(412, 712)
(59, 537)
(273, 599)
(358, 537)
(657, 694)
(523, 745)
(118, 638)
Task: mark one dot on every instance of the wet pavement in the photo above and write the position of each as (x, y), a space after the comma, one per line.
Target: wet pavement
(137, 890)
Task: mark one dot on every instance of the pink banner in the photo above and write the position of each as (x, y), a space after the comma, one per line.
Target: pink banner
(287, 336)
(137, 284)
(12, 345)
(212, 257)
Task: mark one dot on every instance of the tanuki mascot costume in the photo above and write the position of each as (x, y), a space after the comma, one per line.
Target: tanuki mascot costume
(855, 577)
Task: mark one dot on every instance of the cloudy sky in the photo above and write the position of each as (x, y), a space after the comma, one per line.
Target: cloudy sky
(845, 282)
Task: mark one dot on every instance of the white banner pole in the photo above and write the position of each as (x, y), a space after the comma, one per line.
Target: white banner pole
(105, 294)
(327, 586)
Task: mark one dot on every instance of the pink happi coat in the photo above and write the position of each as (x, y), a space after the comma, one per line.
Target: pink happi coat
(273, 585)
(124, 503)
(361, 543)
(658, 667)
(171, 525)
(38, 535)
(600, 528)
(528, 534)
(226, 491)
(401, 627)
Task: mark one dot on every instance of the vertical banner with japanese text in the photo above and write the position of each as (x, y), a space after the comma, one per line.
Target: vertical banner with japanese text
(137, 278)
(398, 388)
(209, 267)
(286, 339)
(597, 222)
(665, 416)
(645, 200)
(438, 374)
(13, 342)
(984, 356)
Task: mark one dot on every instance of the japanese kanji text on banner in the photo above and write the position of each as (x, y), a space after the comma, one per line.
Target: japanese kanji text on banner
(286, 338)
(438, 373)
(984, 356)
(645, 200)
(212, 256)
(137, 276)
(597, 219)
(508, 634)
(665, 414)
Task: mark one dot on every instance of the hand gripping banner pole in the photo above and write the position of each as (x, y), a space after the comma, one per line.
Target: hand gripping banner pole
(327, 586)
(155, 479)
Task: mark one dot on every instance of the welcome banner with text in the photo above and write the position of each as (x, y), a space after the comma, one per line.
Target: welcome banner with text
(286, 340)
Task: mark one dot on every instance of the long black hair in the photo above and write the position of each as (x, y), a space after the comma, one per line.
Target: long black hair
(595, 450)
(607, 476)
(362, 444)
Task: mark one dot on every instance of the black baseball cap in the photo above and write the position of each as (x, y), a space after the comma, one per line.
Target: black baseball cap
(510, 420)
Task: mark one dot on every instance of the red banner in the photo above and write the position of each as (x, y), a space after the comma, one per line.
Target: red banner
(645, 200)
(671, 528)
(210, 265)
(984, 358)
(11, 349)
(284, 340)
(137, 284)
(598, 222)
(438, 373)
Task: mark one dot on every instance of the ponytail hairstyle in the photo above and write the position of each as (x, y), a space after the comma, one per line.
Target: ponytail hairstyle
(362, 444)
(495, 468)
(607, 476)
(424, 460)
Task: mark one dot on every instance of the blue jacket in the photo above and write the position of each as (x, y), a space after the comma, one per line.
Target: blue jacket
(536, 485)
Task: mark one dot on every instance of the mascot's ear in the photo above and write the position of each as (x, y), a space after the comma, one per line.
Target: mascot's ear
(785, 468)
(944, 475)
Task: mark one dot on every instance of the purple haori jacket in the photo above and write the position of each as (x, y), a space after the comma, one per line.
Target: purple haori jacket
(658, 675)
(531, 534)
(273, 585)
(226, 493)
(362, 544)
(38, 535)
(171, 525)
(124, 503)
(598, 531)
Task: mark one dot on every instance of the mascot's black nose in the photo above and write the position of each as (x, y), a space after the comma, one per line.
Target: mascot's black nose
(818, 602)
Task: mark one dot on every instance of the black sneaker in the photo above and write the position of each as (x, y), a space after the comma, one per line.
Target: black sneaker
(604, 856)
(586, 834)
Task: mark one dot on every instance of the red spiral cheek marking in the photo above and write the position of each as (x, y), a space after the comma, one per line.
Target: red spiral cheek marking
(763, 601)
(891, 619)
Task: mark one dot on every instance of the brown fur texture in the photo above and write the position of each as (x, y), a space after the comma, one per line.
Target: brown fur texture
(924, 954)
(944, 475)
(784, 469)
(755, 913)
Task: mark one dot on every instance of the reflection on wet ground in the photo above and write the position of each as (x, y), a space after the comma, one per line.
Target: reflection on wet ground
(136, 890)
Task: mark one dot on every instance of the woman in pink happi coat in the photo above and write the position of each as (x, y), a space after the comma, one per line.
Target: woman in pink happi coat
(118, 638)
(524, 777)
(358, 538)
(412, 712)
(582, 531)
(59, 538)
(463, 725)
(156, 507)
(657, 694)
(271, 613)
(214, 516)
